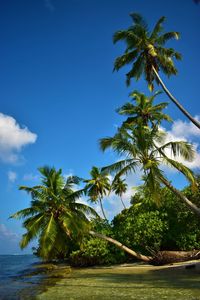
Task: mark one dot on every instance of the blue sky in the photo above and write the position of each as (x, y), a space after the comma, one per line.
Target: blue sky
(58, 92)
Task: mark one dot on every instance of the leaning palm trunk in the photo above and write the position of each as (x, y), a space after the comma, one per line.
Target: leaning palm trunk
(174, 100)
(181, 196)
(121, 246)
(103, 212)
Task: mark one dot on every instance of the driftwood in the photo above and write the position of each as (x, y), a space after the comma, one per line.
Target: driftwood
(167, 257)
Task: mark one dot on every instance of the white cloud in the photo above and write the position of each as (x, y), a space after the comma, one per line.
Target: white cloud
(13, 138)
(185, 131)
(12, 176)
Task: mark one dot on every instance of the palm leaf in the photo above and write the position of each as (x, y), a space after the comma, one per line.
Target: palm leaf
(179, 148)
(48, 236)
(125, 59)
(139, 20)
(161, 40)
(157, 29)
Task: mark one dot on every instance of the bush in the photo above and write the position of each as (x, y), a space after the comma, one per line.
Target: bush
(94, 252)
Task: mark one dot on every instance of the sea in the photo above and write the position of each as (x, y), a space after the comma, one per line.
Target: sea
(18, 278)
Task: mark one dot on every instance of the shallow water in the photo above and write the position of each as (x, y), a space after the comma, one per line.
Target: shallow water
(146, 283)
(25, 278)
(13, 276)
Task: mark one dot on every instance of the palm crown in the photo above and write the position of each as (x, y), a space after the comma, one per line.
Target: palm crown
(141, 142)
(144, 112)
(119, 186)
(54, 216)
(145, 49)
(97, 186)
(147, 55)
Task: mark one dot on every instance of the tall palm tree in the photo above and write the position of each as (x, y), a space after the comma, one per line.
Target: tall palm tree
(119, 186)
(97, 187)
(142, 144)
(147, 55)
(54, 217)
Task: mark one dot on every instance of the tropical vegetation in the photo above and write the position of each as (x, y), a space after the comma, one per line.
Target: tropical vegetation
(141, 141)
(160, 217)
(55, 217)
(97, 187)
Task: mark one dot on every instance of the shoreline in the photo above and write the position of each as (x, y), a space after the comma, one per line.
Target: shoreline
(173, 281)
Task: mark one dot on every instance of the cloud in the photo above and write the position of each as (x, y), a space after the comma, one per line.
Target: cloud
(13, 138)
(48, 4)
(185, 131)
(9, 241)
(12, 176)
(5, 233)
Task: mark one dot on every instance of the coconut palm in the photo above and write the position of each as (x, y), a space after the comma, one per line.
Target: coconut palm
(119, 186)
(144, 112)
(97, 187)
(142, 145)
(147, 55)
(54, 217)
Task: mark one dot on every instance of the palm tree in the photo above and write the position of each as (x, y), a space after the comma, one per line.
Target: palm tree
(97, 187)
(54, 217)
(146, 53)
(141, 141)
(119, 186)
(144, 112)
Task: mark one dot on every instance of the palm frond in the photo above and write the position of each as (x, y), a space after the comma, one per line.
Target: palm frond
(48, 236)
(125, 59)
(89, 211)
(161, 40)
(139, 20)
(179, 149)
(158, 28)
(24, 213)
(125, 35)
(136, 71)
(181, 168)
(33, 226)
(122, 167)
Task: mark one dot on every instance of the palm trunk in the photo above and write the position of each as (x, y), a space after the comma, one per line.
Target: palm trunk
(121, 246)
(123, 203)
(181, 196)
(103, 212)
(175, 101)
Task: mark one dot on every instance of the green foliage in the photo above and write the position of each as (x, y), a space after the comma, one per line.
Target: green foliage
(169, 226)
(139, 228)
(94, 251)
(141, 143)
(54, 217)
(145, 50)
(97, 186)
